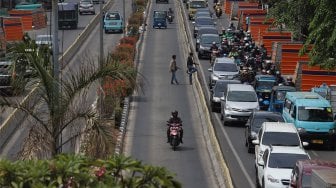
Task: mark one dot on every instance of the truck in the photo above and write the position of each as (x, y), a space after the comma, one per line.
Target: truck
(323, 178)
(68, 15)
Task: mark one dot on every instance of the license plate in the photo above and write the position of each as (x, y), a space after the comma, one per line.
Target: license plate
(317, 141)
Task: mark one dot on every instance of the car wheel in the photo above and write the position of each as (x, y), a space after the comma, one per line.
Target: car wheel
(106, 31)
(199, 55)
(263, 183)
(249, 148)
(213, 109)
(80, 13)
(246, 142)
(221, 116)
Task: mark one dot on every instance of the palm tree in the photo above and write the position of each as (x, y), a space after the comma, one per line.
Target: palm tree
(72, 111)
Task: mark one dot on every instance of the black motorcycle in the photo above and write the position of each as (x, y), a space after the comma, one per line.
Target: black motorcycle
(219, 12)
(174, 135)
(170, 18)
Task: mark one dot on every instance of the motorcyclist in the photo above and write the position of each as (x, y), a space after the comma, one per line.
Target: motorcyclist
(170, 14)
(174, 119)
(214, 51)
(232, 27)
(278, 78)
(289, 82)
(218, 9)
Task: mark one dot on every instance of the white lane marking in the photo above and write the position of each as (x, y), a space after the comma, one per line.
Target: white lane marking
(251, 182)
(313, 152)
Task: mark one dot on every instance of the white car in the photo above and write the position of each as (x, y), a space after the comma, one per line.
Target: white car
(86, 6)
(276, 134)
(223, 68)
(275, 166)
(44, 40)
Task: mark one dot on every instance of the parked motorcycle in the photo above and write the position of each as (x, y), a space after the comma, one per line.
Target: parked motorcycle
(174, 135)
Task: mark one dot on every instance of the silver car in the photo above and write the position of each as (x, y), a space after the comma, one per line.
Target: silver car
(238, 103)
(86, 6)
(223, 68)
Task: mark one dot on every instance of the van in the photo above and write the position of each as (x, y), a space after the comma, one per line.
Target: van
(312, 116)
(238, 103)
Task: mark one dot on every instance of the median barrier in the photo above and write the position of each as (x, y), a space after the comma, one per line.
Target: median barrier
(15, 119)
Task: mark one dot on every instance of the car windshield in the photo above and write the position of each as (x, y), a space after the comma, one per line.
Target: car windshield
(197, 4)
(242, 96)
(225, 67)
(285, 160)
(220, 87)
(258, 121)
(43, 38)
(265, 84)
(207, 31)
(210, 39)
(280, 139)
(85, 2)
(112, 16)
(204, 21)
(321, 114)
(205, 14)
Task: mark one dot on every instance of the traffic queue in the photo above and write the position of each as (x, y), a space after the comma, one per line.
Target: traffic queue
(247, 87)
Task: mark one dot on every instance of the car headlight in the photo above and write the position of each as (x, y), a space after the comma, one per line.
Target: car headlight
(253, 135)
(301, 130)
(215, 77)
(272, 179)
(202, 47)
(260, 99)
(332, 131)
(216, 99)
(196, 29)
(197, 41)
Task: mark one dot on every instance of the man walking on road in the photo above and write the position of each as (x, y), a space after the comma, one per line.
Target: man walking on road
(190, 66)
(173, 68)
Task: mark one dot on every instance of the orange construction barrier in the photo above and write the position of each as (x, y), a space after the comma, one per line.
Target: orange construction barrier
(13, 28)
(314, 76)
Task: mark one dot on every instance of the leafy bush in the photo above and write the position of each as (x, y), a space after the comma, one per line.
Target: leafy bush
(79, 171)
(129, 40)
(136, 19)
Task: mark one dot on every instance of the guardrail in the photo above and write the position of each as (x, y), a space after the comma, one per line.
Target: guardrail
(15, 119)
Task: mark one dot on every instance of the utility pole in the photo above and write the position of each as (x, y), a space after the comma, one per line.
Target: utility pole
(101, 54)
(124, 9)
(56, 71)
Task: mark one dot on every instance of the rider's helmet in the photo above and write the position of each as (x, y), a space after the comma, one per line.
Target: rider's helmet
(175, 114)
(289, 79)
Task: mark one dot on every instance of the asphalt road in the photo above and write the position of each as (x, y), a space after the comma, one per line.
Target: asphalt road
(150, 109)
(88, 52)
(232, 138)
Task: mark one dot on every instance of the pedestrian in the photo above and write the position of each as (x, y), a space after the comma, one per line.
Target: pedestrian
(173, 68)
(247, 21)
(190, 66)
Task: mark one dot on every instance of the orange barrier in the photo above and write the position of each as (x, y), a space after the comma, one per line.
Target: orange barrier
(12, 28)
(247, 5)
(227, 7)
(30, 18)
(268, 38)
(314, 76)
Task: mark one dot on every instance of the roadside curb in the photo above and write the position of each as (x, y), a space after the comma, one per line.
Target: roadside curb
(218, 163)
(126, 108)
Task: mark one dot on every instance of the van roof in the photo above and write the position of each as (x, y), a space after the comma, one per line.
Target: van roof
(279, 127)
(240, 87)
(308, 165)
(307, 99)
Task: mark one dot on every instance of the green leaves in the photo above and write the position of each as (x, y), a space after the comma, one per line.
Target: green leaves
(80, 171)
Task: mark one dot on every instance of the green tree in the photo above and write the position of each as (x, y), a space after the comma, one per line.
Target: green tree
(322, 34)
(73, 112)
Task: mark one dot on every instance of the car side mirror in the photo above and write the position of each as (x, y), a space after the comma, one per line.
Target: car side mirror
(247, 125)
(210, 69)
(193, 22)
(222, 99)
(255, 142)
(305, 144)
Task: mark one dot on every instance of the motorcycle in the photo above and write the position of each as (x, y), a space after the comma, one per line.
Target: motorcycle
(170, 18)
(214, 55)
(219, 12)
(174, 135)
